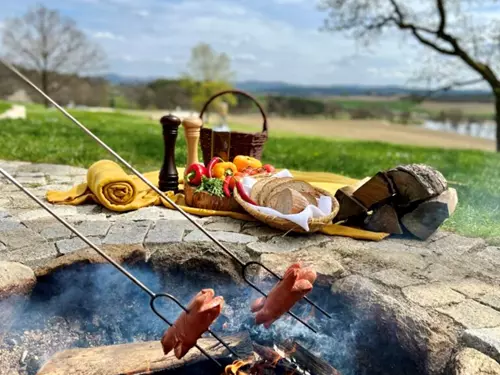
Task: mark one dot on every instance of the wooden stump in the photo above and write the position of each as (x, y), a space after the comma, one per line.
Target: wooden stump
(377, 189)
(142, 358)
(424, 220)
(385, 219)
(349, 206)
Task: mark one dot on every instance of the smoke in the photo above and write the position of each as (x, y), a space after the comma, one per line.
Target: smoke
(93, 305)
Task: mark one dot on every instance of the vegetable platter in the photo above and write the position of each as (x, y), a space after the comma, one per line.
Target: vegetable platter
(212, 186)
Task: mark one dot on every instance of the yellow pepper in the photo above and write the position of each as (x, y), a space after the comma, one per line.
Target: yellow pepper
(243, 162)
(221, 170)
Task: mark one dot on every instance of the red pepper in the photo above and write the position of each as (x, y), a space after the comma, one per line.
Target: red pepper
(243, 193)
(226, 187)
(269, 168)
(194, 173)
(237, 176)
(211, 164)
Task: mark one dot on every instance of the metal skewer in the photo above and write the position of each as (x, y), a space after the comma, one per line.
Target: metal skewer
(243, 265)
(140, 284)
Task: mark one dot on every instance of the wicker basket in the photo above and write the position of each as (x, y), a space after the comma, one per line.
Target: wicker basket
(208, 201)
(315, 225)
(250, 144)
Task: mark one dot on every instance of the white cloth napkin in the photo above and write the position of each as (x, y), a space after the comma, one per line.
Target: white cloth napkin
(302, 218)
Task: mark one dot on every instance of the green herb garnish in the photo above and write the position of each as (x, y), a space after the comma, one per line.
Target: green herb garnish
(212, 186)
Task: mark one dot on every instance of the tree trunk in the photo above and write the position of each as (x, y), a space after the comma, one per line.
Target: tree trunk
(45, 86)
(497, 116)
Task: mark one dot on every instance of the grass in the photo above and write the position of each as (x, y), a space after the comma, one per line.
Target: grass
(48, 137)
(4, 106)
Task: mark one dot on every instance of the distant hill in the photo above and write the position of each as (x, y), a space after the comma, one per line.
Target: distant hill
(281, 88)
(287, 89)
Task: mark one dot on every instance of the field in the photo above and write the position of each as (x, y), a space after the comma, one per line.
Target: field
(48, 137)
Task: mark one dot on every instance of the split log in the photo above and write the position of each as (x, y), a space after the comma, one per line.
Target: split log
(348, 205)
(424, 220)
(307, 360)
(145, 358)
(377, 189)
(416, 182)
(384, 219)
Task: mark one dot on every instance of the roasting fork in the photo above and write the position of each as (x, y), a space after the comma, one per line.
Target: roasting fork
(152, 295)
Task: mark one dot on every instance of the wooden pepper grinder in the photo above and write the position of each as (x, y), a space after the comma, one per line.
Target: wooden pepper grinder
(169, 178)
(192, 127)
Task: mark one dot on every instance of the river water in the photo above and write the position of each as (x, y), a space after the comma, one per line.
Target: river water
(485, 130)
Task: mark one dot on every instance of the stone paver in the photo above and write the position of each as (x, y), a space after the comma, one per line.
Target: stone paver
(166, 231)
(127, 233)
(394, 277)
(21, 237)
(223, 224)
(93, 228)
(10, 224)
(491, 254)
(55, 232)
(486, 340)
(492, 300)
(29, 254)
(282, 243)
(472, 362)
(75, 244)
(472, 314)
(474, 288)
(432, 295)
(15, 278)
(198, 236)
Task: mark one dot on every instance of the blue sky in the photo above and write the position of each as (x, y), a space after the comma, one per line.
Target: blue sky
(269, 40)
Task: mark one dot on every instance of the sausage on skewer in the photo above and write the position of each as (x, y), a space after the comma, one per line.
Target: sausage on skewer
(203, 309)
(296, 283)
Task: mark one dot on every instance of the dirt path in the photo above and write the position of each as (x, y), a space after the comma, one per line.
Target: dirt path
(371, 130)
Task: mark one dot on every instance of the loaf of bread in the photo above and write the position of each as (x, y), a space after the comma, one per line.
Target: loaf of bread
(286, 195)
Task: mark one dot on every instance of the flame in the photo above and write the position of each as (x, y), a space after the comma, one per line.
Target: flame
(234, 368)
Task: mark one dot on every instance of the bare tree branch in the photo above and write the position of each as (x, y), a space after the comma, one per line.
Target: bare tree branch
(44, 41)
(420, 98)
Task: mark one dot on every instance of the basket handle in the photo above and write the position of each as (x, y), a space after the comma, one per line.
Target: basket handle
(264, 126)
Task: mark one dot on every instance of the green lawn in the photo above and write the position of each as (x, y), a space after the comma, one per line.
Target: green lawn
(4, 106)
(48, 137)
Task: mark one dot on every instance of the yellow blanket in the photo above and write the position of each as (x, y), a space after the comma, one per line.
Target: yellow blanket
(109, 185)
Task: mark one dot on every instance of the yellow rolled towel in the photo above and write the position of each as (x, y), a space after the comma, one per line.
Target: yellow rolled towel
(109, 185)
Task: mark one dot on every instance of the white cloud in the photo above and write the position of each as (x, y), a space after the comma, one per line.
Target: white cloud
(106, 35)
(142, 13)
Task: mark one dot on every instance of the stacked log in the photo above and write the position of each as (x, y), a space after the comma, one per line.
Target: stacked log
(411, 198)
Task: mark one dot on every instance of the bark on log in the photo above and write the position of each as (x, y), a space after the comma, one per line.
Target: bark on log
(377, 189)
(424, 220)
(348, 206)
(416, 182)
(307, 360)
(139, 358)
(384, 219)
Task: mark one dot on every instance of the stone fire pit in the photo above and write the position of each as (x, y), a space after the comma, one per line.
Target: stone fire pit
(439, 299)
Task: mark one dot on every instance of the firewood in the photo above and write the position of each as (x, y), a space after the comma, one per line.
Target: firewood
(424, 220)
(416, 182)
(377, 189)
(307, 360)
(384, 219)
(349, 206)
(145, 358)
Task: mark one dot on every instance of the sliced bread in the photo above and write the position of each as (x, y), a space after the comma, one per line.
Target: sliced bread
(289, 201)
(301, 187)
(270, 187)
(258, 187)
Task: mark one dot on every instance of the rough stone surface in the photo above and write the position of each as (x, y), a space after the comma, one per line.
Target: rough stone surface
(198, 236)
(15, 278)
(127, 233)
(492, 300)
(18, 238)
(472, 362)
(490, 254)
(166, 231)
(325, 263)
(287, 243)
(472, 314)
(95, 228)
(394, 277)
(474, 288)
(421, 335)
(432, 295)
(30, 254)
(486, 340)
(223, 224)
(56, 232)
(74, 244)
